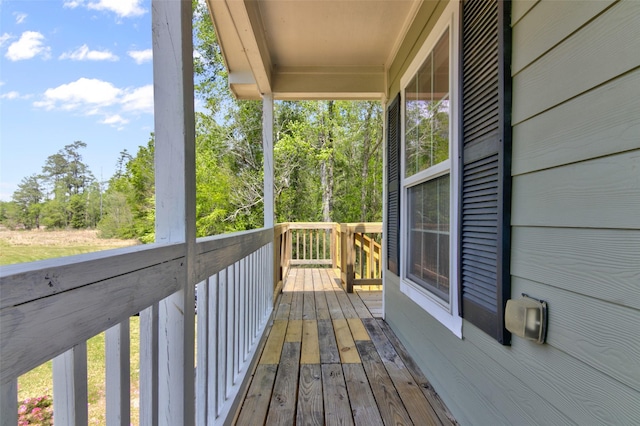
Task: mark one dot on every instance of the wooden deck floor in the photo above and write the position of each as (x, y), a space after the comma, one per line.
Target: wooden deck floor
(328, 361)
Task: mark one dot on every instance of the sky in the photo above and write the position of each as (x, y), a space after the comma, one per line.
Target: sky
(73, 70)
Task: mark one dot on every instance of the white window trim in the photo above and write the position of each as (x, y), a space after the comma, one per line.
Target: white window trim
(447, 314)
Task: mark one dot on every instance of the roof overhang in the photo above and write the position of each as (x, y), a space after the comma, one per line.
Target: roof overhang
(310, 49)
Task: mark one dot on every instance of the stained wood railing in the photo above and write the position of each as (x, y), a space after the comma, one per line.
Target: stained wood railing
(353, 248)
(49, 309)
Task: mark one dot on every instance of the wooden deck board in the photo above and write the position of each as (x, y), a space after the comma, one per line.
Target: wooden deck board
(310, 346)
(328, 347)
(256, 403)
(327, 360)
(282, 409)
(310, 401)
(336, 400)
(363, 403)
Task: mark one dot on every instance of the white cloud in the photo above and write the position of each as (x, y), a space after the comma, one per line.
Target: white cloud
(84, 92)
(20, 17)
(115, 120)
(14, 95)
(92, 97)
(30, 45)
(72, 4)
(141, 56)
(139, 100)
(83, 53)
(122, 8)
(4, 38)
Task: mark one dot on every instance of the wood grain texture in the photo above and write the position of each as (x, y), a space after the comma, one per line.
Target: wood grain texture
(25, 282)
(294, 331)
(297, 303)
(284, 306)
(273, 347)
(310, 346)
(329, 353)
(65, 319)
(391, 407)
(411, 394)
(602, 50)
(357, 329)
(345, 304)
(336, 401)
(9, 403)
(256, 402)
(346, 345)
(601, 193)
(603, 121)
(309, 306)
(282, 408)
(600, 263)
(70, 386)
(434, 399)
(547, 24)
(117, 374)
(363, 404)
(310, 409)
(322, 308)
(359, 306)
(582, 327)
(334, 306)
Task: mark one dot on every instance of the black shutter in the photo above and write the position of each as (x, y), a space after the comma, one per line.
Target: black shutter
(485, 282)
(393, 186)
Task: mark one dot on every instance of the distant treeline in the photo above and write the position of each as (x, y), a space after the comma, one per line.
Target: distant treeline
(327, 158)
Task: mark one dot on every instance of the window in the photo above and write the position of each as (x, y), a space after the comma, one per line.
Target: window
(429, 183)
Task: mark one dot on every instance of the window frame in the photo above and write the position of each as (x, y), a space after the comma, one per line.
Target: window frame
(445, 313)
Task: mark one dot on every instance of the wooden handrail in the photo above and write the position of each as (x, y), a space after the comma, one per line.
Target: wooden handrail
(353, 248)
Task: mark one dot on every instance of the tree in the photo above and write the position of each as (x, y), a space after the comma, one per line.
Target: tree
(28, 198)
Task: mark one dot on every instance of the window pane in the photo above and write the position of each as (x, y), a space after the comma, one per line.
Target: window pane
(428, 257)
(427, 111)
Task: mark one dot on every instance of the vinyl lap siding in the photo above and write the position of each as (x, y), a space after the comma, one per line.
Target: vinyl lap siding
(575, 231)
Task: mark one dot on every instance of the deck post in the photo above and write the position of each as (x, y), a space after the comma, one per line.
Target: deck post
(267, 155)
(175, 202)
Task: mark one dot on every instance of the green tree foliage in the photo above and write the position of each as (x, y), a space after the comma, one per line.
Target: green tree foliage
(28, 198)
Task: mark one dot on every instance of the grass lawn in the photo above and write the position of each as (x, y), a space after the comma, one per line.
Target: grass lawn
(27, 246)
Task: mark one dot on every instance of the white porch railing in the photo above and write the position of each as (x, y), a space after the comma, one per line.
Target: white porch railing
(49, 309)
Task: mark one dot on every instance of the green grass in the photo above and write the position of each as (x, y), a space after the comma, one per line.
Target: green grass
(39, 381)
(11, 255)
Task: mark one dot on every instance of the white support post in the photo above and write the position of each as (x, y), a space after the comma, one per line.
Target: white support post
(9, 403)
(118, 382)
(70, 386)
(175, 202)
(267, 148)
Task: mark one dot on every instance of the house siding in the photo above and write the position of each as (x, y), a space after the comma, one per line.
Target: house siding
(575, 228)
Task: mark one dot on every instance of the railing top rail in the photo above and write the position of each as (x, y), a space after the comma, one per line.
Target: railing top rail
(365, 226)
(217, 242)
(26, 282)
(311, 225)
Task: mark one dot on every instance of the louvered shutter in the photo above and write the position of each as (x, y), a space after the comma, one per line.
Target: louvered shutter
(486, 165)
(393, 185)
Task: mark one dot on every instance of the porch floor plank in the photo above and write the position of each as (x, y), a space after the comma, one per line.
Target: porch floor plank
(328, 360)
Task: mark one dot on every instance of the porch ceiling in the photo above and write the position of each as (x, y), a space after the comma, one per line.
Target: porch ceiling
(310, 49)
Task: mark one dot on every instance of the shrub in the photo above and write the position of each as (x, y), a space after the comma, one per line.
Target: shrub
(36, 411)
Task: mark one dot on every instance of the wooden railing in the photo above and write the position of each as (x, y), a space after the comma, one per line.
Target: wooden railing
(49, 309)
(353, 248)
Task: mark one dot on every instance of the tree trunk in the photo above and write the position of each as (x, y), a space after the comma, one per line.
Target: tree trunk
(326, 166)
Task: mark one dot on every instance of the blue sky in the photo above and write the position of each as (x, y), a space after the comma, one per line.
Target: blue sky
(73, 70)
